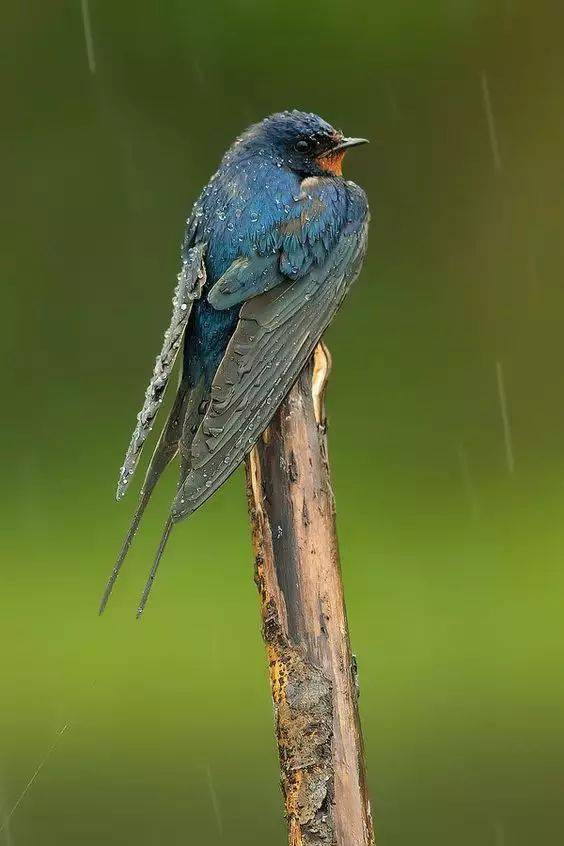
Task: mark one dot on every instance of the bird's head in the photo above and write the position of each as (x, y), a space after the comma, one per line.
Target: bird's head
(302, 142)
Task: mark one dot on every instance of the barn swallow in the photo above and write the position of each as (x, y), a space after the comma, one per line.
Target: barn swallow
(271, 247)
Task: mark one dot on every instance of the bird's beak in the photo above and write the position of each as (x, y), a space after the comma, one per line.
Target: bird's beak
(348, 142)
(332, 160)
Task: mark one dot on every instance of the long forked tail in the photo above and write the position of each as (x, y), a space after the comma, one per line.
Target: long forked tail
(165, 451)
(153, 572)
(143, 500)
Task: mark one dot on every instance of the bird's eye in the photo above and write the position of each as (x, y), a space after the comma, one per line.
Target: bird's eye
(302, 145)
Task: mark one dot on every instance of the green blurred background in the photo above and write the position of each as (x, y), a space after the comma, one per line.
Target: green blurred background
(450, 521)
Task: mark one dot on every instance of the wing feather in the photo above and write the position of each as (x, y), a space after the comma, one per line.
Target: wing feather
(191, 280)
(276, 333)
(246, 278)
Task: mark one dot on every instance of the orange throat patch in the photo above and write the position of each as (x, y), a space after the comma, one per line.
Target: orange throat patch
(332, 162)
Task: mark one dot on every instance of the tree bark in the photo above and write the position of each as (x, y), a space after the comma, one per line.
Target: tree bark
(312, 670)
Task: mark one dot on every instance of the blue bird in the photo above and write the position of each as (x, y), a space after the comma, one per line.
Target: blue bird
(271, 247)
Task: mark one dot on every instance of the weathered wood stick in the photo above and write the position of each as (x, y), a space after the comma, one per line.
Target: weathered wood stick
(298, 575)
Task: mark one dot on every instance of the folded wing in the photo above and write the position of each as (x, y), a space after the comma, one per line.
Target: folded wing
(191, 280)
(276, 333)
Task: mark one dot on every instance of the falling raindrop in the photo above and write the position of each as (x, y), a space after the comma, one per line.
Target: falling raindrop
(31, 780)
(90, 55)
(214, 800)
(494, 143)
(505, 418)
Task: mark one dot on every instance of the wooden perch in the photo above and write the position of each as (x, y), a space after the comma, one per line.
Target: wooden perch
(312, 672)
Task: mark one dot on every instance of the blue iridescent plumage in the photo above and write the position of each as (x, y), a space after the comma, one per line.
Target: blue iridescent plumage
(271, 247)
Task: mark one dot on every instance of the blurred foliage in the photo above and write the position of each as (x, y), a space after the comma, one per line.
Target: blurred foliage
(452, 564)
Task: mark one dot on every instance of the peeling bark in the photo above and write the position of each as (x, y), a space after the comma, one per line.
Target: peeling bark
(312, 670)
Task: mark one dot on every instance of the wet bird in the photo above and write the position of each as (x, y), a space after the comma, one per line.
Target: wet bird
(271, 247)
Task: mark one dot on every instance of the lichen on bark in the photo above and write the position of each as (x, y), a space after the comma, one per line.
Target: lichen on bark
(302, 699)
